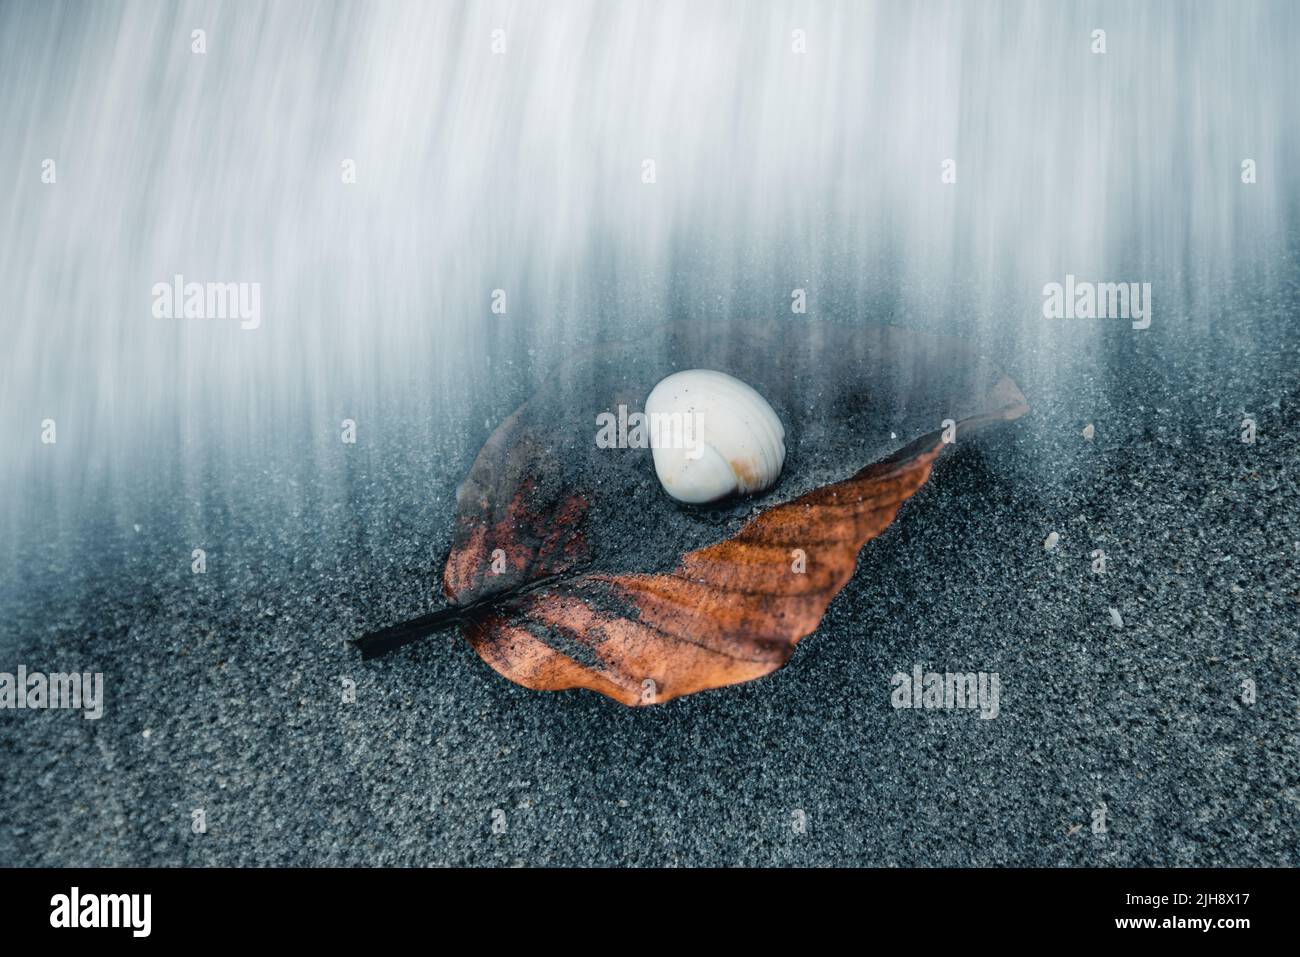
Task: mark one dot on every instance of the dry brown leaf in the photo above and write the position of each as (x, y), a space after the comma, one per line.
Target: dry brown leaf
(592, 587)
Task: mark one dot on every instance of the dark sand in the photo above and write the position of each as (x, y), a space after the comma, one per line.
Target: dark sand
(224, 689)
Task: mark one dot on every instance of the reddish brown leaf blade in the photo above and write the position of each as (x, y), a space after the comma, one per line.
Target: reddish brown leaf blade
(503, 541)
(570, 568)
(728, 613)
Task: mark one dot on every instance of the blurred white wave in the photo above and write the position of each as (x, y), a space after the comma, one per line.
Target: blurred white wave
(522, 170)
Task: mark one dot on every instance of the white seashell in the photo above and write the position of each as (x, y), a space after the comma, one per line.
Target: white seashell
(713, 435)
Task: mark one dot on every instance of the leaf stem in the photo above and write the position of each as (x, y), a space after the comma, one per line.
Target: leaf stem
(388, 639)
(376, 643)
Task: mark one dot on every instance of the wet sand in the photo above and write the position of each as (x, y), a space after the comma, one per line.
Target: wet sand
(224, 690)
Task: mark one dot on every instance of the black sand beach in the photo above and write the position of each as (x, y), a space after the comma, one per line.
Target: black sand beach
(403, 216)
(224, 690)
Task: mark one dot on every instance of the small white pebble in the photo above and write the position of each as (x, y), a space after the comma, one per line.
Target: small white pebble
(148, 733)
(1089, 431)
(1050, 541)
(1115, 619)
